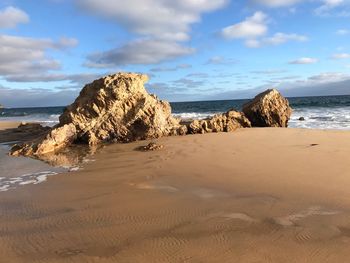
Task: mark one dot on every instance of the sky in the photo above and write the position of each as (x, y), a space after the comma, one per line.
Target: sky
(190, 49)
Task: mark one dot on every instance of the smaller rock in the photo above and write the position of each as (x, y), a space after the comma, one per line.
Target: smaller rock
(55, 139)
(301, 119)
(152, 146)
(31, 127)
(268, 109)
(226, 122)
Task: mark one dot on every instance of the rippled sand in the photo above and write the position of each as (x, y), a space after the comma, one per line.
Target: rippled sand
(257, 195)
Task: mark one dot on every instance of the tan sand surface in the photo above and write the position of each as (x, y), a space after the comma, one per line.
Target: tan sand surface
(256, 195)
(8, 124)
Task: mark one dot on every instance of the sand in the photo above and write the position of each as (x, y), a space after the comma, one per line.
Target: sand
(256, 195)
(8, 125)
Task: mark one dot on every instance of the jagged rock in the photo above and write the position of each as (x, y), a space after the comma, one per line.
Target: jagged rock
(152, 146)
(56, 139)
(227, 122)
(268, 109)
(32, 128)
(301, 119)
(114, 108)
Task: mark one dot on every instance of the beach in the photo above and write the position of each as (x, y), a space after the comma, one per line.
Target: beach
(254, 195)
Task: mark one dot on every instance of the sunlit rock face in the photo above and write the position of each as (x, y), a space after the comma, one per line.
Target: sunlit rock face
(117, 108)
(226, 122)
(114, 108)
(268, 109)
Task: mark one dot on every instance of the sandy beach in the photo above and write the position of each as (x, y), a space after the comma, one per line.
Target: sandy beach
(255, 195)
(8, 125)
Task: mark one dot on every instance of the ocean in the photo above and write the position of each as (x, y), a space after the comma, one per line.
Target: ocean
(326, 112)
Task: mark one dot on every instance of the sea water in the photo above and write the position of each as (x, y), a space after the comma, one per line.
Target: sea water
(326, 112)
(20, 171)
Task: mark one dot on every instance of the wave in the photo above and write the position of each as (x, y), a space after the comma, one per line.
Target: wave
(45, 119)
(194, 115)
(337, 118)
(331, 112)
(315, 117)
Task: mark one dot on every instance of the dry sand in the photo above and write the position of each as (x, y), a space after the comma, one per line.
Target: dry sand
(8, 125)
(256, 195)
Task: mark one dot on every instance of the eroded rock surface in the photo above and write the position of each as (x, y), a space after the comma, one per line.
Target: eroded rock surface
(117, 108)
(152, 146)
(227, 122)
(268, 109)
(114, 108)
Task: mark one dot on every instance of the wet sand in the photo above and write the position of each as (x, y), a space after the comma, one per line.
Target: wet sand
(8, 132)
(256, 195)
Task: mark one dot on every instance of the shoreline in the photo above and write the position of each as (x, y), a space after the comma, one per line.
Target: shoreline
(207, 198)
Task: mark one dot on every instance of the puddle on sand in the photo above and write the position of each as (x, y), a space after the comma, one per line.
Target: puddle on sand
(20, 171)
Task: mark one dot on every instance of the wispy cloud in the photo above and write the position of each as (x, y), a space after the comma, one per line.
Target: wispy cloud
(23, 56)
(11, 16)
(304, 60)
(341, 56)
(277, 3)
(219, 60)
(169, 69)
(343, 32)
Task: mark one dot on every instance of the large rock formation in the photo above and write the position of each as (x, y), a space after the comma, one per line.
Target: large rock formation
(227, 122)
(268, 109)
(118, 108)
(113, 108)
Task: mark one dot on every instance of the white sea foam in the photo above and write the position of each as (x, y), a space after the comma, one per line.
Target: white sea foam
(25, 179)
(44, 119)
(194, 115)
(335, 118)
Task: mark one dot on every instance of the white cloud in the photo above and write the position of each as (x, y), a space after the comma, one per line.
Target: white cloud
(269, 71)
(329, 77)
(304, 60)
(281, 38)
(329, 5)
(328, 83)
(277, 3)
(27, 56)
(341, 56)
(77, 80)
(33, 97)
(275, 40)
(10, 17)
(168, 69)
(251, 28)
(141, 51)
(160, 23)
(254, 28)
(156, 18)
(252, 43)
(343, 32)
(219, 60)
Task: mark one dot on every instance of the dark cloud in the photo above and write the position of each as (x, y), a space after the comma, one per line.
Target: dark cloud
(139, 52)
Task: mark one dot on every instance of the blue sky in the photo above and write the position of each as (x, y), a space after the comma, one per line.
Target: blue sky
(191, 49)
